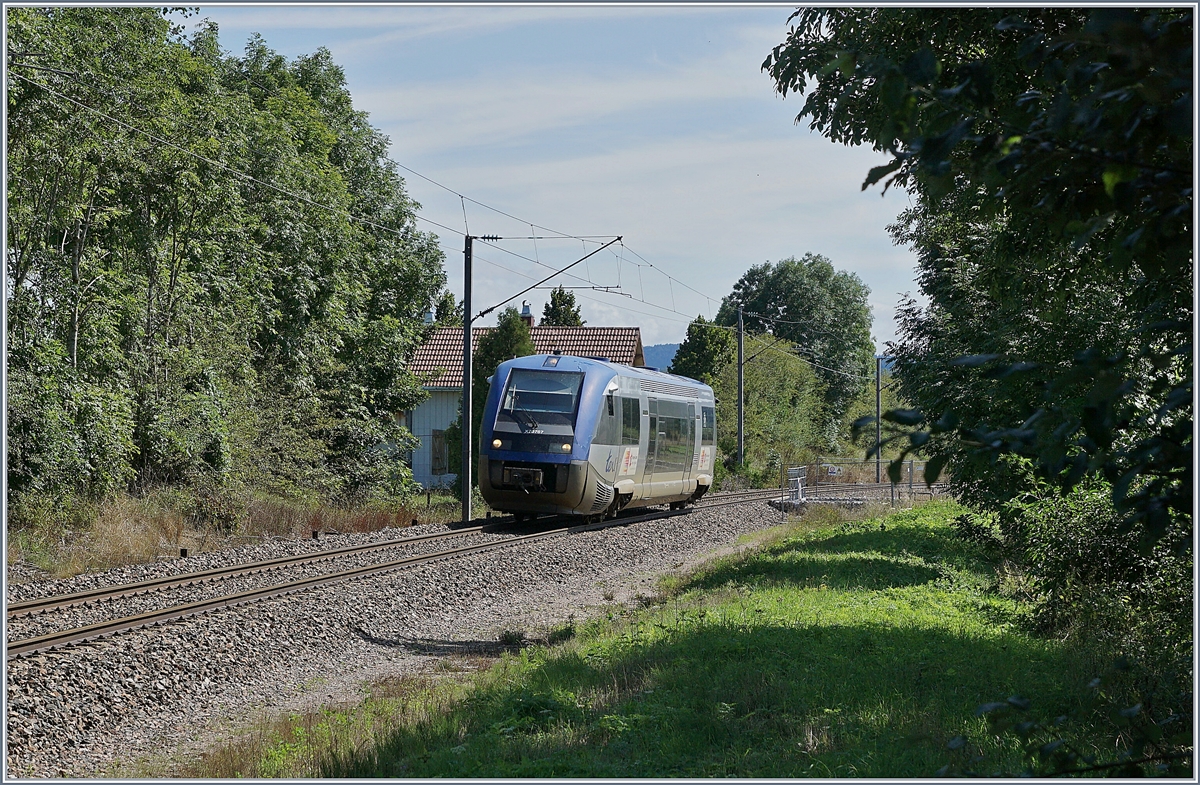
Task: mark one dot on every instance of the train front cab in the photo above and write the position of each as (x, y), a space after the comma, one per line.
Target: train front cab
(575, 436)
(530, 459)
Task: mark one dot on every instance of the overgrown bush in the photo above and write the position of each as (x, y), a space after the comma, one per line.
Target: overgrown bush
(1087, 576)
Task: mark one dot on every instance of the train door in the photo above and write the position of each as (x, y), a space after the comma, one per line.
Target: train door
(690, 462)
(651, 443)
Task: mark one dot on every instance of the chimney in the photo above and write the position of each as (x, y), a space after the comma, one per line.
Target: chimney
(526, 314)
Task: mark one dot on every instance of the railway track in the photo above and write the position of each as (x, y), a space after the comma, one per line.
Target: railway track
(102, 629)
(17, 610)
(733, 497)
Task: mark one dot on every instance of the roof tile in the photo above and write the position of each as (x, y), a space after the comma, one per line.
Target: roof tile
(438, 361)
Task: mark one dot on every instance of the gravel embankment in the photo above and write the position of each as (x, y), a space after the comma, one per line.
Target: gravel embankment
(26, 582)
(82, 615)
(175, 689)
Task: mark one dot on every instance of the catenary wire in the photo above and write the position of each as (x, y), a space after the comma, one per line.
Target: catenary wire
(416, 215)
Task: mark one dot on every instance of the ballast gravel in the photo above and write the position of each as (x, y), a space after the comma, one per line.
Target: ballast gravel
(75, 616)
(97, 708)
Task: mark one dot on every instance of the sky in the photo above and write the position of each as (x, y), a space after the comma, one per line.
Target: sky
(578, 124)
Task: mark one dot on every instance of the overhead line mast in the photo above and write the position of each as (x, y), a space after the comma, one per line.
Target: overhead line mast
(741, 393)
(468, 420)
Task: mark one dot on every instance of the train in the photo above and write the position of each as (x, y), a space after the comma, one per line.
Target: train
(588, 437)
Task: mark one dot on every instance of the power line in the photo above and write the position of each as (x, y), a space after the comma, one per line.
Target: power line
(583, 296)
(230, 169)
(670, 278)
(822, 367)
(564, 235)
(685, 320)
(417, 216)
(486, 311)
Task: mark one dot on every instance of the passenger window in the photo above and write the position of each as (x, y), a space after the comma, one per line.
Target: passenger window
(631, 420)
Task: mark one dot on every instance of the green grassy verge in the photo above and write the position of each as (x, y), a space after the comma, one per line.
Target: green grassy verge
(836, 649)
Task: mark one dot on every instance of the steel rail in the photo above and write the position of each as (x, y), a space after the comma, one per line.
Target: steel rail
(755, 493)
(46, 604)
(53, 640)
(43, 604)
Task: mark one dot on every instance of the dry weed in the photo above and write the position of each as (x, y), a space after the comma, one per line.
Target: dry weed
(126, 530)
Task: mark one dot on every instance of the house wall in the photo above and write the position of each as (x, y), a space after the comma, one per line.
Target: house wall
(434, 414)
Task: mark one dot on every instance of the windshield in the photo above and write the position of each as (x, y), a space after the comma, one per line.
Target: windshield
(553, 392)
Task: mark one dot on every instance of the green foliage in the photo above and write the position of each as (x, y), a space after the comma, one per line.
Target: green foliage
(862, 408)
(705, 352)
(176, 313)
(1087, 581)
(785, 420)
(1088, 577)
(1050, 155)
(1153, 739)
(562, 310)
(821, 310)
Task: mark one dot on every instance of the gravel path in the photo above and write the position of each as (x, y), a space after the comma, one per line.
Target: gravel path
(91, 709)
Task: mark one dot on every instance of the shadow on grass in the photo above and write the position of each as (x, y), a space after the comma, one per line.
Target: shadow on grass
(869, 558)
(743, 689)
(805, 569)
(739, 691)
(723, 699)
(437, 647)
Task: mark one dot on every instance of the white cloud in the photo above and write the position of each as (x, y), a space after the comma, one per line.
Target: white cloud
(418, 21)
(703, 210)
(518, 102)
(686, 151)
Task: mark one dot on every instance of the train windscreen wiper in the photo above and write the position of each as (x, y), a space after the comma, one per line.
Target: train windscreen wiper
(532, 422)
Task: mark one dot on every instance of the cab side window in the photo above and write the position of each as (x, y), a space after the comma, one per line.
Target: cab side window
(708, 424)
(631, 420)
(608, 424)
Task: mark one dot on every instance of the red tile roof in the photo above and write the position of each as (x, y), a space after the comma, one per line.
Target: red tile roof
(438, 361)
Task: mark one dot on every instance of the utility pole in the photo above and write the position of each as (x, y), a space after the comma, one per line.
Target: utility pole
(878, 400)
(741, 394)
(467, 419)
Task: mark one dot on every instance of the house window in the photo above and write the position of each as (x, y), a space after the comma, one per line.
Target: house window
(438, 454)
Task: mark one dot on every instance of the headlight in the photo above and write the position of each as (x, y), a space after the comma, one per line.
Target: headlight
(566, 448)
(495, 444)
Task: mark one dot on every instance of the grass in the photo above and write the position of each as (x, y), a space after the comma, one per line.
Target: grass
(126, 529)
(837, 648)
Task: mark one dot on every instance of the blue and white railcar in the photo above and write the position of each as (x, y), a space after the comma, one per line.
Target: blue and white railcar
(572, 435)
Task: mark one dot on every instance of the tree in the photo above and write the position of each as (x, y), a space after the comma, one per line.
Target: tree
(821, 310)
(561, 311)
(189, 302)
(1055, 147)
(705, 351)
(1048, 153)
(785, 419)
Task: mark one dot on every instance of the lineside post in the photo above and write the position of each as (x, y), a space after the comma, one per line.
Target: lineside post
(878, 401)
(467, 419)
(741, 394)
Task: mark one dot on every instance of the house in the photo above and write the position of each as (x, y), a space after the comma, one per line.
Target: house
(438, 363)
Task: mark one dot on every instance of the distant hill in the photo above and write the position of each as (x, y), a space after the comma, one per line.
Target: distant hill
(660, 355)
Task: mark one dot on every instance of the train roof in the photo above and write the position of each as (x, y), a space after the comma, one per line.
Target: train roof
(583, 363)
